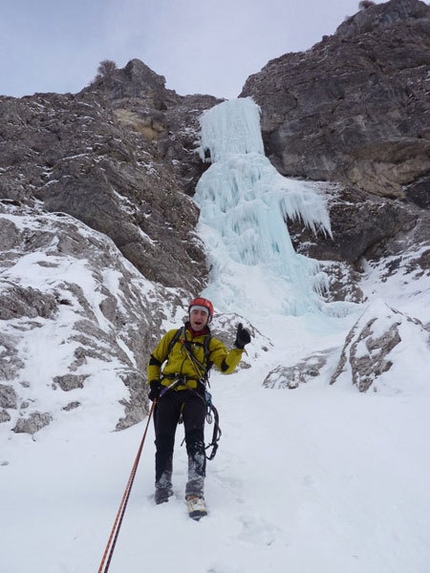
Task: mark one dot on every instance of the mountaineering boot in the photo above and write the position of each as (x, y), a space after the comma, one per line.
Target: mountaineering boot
(196, 507)
(196, 465)
(162, 495)
(163, 487)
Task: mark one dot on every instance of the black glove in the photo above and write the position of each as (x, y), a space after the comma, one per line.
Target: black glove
(242, 336)
(154, 391)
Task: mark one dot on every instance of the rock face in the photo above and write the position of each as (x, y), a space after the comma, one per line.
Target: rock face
(67, 292)
(360, 223)
(355, 108)
(109, 156)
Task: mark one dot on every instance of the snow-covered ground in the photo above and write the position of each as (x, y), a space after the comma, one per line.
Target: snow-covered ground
(320, 478)
(317, 478)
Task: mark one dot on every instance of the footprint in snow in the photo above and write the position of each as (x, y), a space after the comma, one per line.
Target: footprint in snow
(257, 531)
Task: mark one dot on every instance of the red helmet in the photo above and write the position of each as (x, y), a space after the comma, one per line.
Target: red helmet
(202, 302)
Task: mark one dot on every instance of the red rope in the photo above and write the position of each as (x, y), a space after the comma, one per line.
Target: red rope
(122, 506)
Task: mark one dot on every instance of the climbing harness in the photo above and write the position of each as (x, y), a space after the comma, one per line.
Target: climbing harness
(110, 547)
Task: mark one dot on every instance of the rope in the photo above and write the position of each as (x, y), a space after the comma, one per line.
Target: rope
(110, 547)
(199, 368)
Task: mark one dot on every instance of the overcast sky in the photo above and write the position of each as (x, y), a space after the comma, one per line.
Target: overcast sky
(199, 46)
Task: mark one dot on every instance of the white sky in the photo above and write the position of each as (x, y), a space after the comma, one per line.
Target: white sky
(54, 45)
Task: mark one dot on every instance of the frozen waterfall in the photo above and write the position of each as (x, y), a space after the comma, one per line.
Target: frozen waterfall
(244, 203)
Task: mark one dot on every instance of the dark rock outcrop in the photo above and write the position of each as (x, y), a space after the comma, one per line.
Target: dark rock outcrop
(119, 156)
(35, 422)
(360, 222)
(355, 108)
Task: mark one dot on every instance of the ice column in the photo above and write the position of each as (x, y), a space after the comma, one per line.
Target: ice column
(244, 203)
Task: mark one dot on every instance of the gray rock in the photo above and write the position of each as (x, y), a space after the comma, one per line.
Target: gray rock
(8, 397)
(4, 416)
(17, 301)
(92, 155)
(35, 422)
(10, 361)
(303, 372)
(354, 108)
(113, 324)
(69, 382)
(136, 407)
(71, 406)
(360, 224)
(368, 350)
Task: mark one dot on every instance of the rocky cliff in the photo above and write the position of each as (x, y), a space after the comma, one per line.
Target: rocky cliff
(118, 156)
(355, 108)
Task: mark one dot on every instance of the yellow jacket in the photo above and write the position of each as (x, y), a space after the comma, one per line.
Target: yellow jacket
(168, 366)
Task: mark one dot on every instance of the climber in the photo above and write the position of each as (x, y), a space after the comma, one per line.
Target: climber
(177, 377)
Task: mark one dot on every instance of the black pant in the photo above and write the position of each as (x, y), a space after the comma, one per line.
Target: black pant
(167, 413)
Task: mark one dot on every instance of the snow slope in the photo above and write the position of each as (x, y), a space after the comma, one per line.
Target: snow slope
(314, 478)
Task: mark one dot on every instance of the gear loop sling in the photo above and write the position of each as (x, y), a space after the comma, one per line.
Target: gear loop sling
(202, 371)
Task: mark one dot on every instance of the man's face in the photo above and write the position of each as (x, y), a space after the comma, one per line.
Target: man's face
(198, 319)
